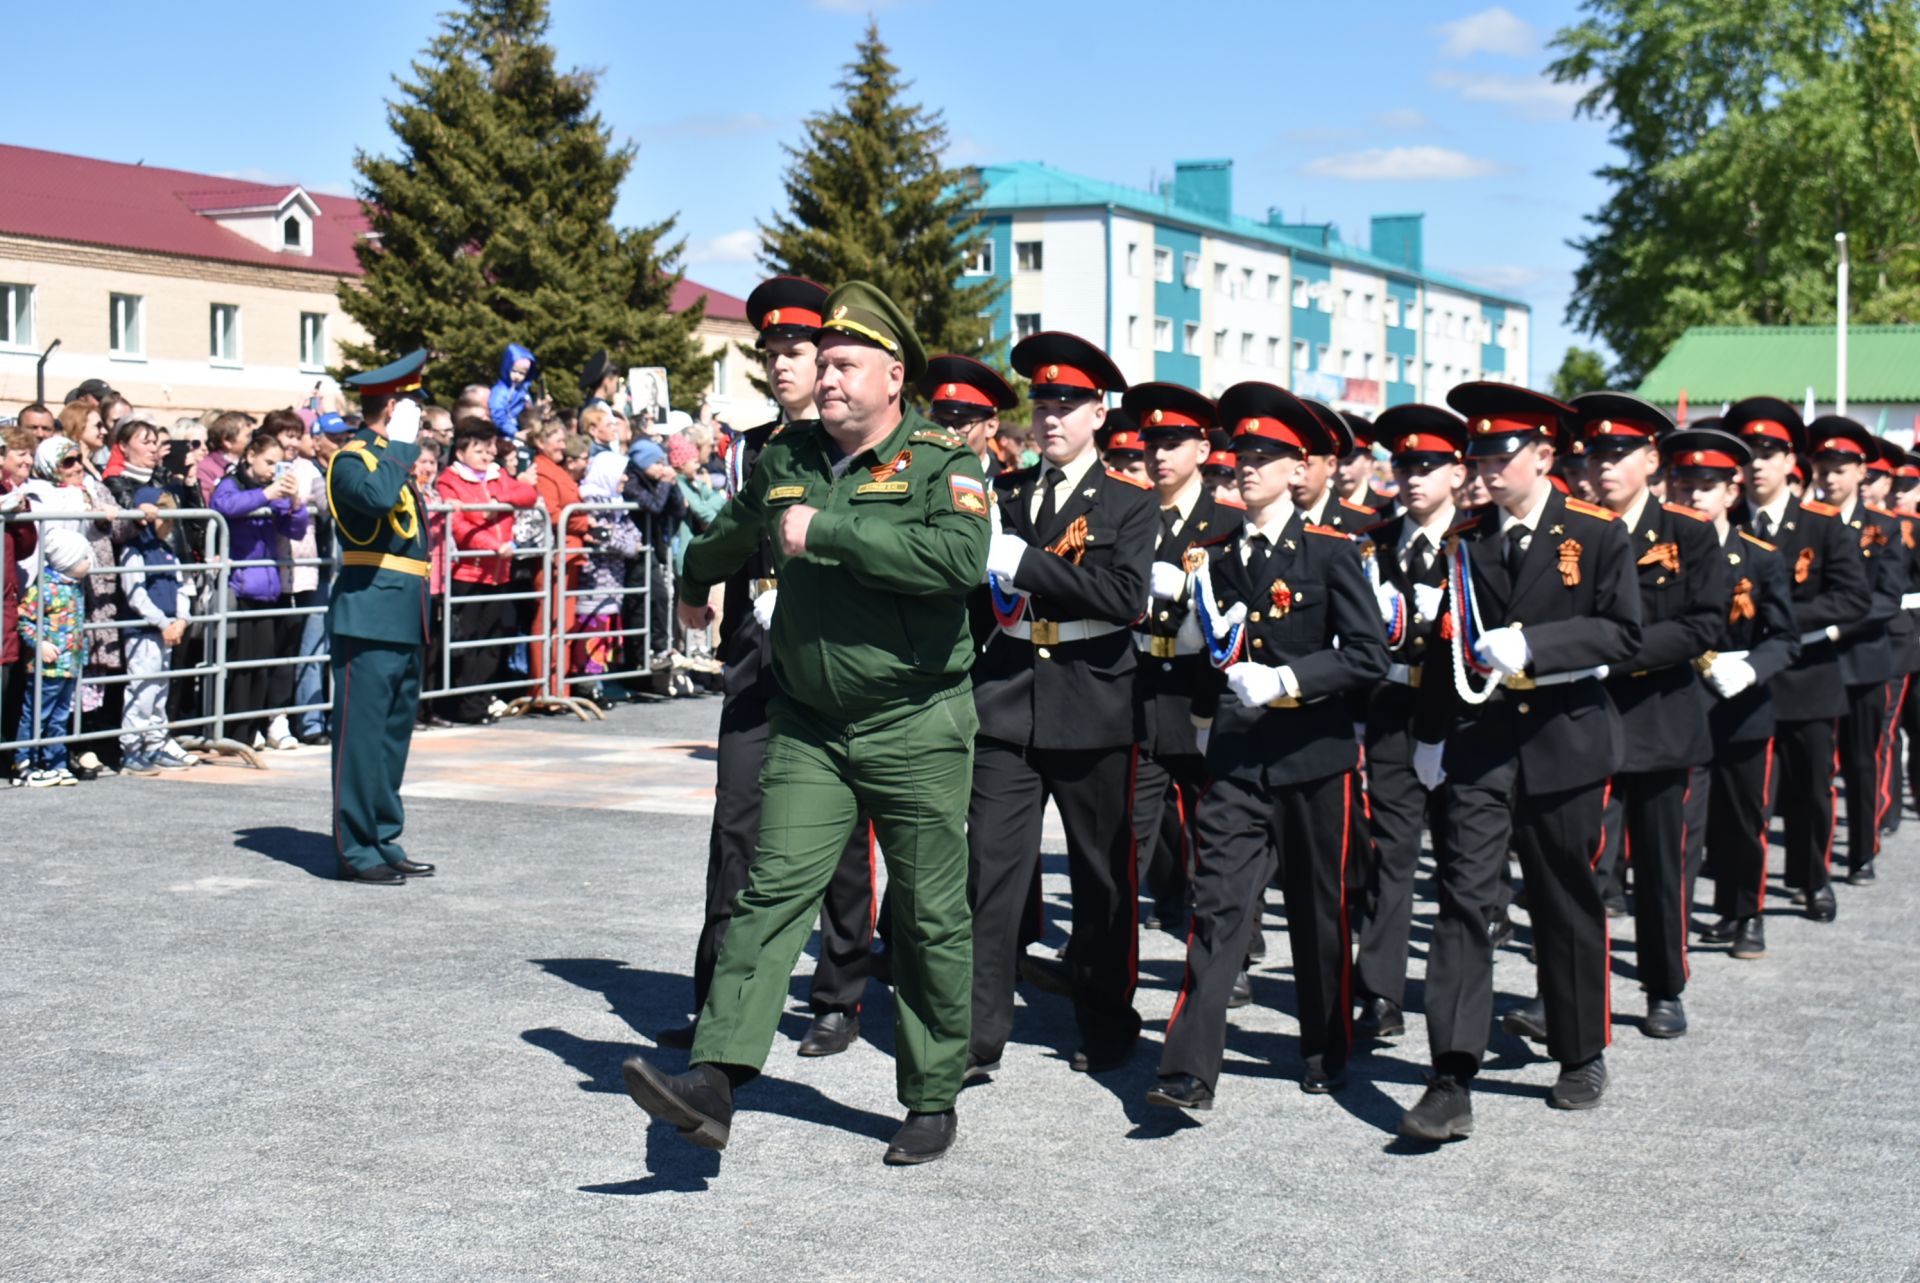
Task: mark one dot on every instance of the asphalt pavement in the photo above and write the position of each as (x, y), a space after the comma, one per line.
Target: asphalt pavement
(220, 1063)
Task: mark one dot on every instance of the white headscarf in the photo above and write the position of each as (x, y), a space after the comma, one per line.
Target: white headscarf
(605, 473)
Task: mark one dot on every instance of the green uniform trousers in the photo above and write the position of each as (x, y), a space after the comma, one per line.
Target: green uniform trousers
(911, 773)
(376, 695)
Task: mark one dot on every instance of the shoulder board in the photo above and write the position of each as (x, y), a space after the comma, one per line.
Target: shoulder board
(1590, 509)
(1681, 510)
(1351, 506)
(1015, 477)
(938, 436)
(1234, 504)
(1757, 541)
(1819, 509)
(1461, 527)
(1885, 512)
(1328, 531)
(1214, 541)
(1124, 478)
(358, 449)
(1376, 527)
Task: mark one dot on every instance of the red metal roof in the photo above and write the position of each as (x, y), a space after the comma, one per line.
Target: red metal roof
(53, 196)
(721, 307)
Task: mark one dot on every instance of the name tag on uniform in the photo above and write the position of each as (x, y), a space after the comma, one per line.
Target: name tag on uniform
(778, 494)
(884, 487)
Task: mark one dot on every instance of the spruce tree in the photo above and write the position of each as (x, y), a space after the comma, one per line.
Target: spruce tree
(869, 200)
(495, 222)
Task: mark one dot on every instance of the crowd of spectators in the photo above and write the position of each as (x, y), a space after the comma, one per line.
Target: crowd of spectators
(110, 620)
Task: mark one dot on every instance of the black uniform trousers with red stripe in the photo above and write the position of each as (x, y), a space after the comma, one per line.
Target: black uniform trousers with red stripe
(1653, 814)
(1166, 801)
(1858, 740)
(1889, 801)
(1803, 755)
(1737, 826)
(1242, 821)
(1090, 787)
(1401, 811)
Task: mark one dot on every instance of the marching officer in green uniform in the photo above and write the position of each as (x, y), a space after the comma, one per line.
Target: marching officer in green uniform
(880, 526)
(377, 622)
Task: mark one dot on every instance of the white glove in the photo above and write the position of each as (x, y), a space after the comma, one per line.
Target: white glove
(1169, 581)
(1833, 632)
(1505, 649)
(1729, 675)
(1427, 767)
(1226, 621)
(1255, 684)
(1388, 598)
(1426, 599)
(403, 424)
(1003, 557)
(763, 608)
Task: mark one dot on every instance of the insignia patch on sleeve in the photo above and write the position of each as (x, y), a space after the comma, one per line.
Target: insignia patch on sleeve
(969, 494)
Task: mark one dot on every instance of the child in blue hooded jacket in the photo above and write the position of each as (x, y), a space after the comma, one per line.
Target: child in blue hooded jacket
(509, 396)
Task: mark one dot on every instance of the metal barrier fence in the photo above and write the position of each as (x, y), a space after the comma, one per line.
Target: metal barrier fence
(215, 614)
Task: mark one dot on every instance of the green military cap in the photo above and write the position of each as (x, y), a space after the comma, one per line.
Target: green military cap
(863, 312)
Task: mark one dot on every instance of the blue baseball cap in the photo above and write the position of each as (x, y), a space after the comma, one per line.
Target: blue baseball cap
(330, 424)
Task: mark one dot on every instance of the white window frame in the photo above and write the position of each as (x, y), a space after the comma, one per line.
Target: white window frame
(1273, 287)
(1323, 298)
(1020, 332)
(1349, 305)
(17, 303)
(1190, 338)
(117, 326)
(1162, 334)
(1393, 310)
(1366, 365)
(1133, 331)
(1273, 351)
(981, 263)
(313, 356)
(1222, 281)
(1392, 368)
(1246, 346)
(1190, 270)
(1302, 294)
(225, 360)
(1133, 258)
(1302, 355)
(1029, 256)
(1220, 344)
(1246, 282)
(1319, 356)
(1163, 265)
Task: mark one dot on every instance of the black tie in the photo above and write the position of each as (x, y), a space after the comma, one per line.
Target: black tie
(1259, 549)
(1169, 525)
(1516, 548)
(1049, 495)
(1419, 559)
(1763, 526)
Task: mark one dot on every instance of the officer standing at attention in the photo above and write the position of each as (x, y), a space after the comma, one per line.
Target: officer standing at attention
(883, 523)
(377, 621)
(1407, 554)
(1293, 632)
(1054, 690)
(1512, 715)
(1757, 641)
(786, 311)
(1830, 591)
(1171, 771)
(1841, 449)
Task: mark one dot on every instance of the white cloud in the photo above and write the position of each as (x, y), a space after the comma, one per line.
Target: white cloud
(1505, 278)
(1401, 118)
(705, 127)
(1494, 30)
(1533, 96)
(728, 247)
(1403, 164)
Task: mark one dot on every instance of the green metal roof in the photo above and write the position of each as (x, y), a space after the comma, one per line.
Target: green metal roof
(1728, 362)
(1030, 185)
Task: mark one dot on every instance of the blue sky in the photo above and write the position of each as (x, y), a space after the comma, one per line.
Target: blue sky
(1330, 112)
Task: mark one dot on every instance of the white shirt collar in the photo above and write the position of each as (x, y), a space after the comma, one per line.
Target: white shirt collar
(1508, 521)
(1187, 497)
(1275, 525)
(1775, 512)
(1434, 529)
(1316, 515)
(1633, 514)
(1075, 472)
(1850, 508)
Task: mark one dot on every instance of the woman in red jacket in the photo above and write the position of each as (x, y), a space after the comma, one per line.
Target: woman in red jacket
(483, 562)
(559, 489)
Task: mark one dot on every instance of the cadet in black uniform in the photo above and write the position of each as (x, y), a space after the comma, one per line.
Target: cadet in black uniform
(1171, 771)
(1068, 569)
(1829, 585)
(1293, 633)
(967, 397)
(1355, 478)
(1901, 633)
(1406, 554)
(1840, 451)
(1905, 719)
(1757, 640)
(1684, 592)
(1314, 492)
(786, 312)
(1511, 715)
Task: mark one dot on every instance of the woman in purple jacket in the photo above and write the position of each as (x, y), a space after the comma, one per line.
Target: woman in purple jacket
(263, 506)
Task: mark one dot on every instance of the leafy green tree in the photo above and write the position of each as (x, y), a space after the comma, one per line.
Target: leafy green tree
(494, 224)
(1581, 370)
(1750, 133)
(869, 199)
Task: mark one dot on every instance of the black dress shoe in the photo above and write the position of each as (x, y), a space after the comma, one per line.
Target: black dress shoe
(1100, 1062)
(1750, 940)
(698, 1103)
(1666, 1018)
(1500, 929)
(1821, 906)
(1242, 992)
(681, 1037)
(1048, 974)
(1180, 1091)
(922, 1138)
(1529, 1022)
(1320, 1080)
(1721, 932)
(978, 1070)
(1862, 876)
(384, 875)
(414, 868)
(1381, 1018)
(831, 1033)
(1444, 1112)
(317, 740)
(1581, 1086)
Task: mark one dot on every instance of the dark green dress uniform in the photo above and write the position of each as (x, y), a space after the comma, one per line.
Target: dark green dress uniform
(871, 650)
(377, 621)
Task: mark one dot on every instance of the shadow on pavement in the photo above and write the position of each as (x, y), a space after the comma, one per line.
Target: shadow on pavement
(309, 852)
(648, 1001)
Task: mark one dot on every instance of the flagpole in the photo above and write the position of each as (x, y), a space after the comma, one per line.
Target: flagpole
(1840, 330)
